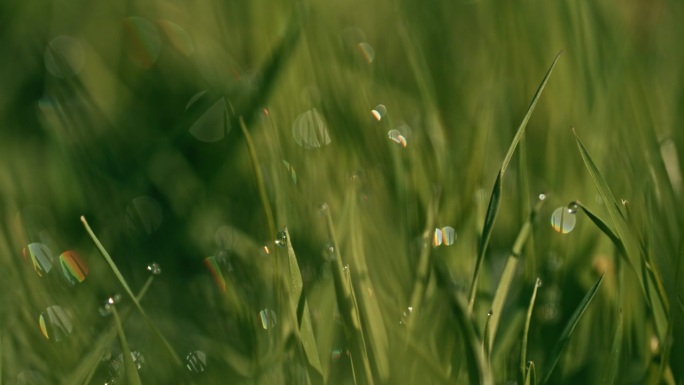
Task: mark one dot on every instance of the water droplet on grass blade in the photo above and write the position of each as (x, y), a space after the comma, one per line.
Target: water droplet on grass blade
(55, 323)
(542, 196)
(573, 207)
(310, 130)
(64, 57)
(406, 315)
(449, 235)
(397, 137)
(281, 239)
(490, 313)
(562, 220)
(379, 112)
(437, 237)
(329, 251)
(323, 209)
(143, 42)
(74, 270)
(268, 319)
(196, 361)
(154, 268)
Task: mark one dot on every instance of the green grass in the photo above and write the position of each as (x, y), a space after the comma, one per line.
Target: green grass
(235, 144)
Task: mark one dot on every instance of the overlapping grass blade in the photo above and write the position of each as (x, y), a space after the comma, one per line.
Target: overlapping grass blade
(508, 275)
(495, 199)
(306, 334)
(567, 331)
(526, 331)
(349, 311)
(530, 374)
(129, 366)
(615, 351)
(620, 230)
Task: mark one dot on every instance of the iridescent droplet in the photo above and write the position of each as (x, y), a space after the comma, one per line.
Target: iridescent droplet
(73, 269)
(41, 257)
(64, 57)
(310, 130)
(55, 323)
(573, 207)
(397, 136)
(367, 52)
(154, 268)
(379, 112)
(449, 235)
(268, 319)
(196, 361)
(562, 220)
(281, 238)
(437, 238)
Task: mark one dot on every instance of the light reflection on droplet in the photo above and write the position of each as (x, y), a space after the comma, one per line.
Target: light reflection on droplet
(562, 220)
(573, 207)
(55, 323)
(281, 239)
(138, 359)
(310, 130)
(406, 315)
(64, 57)
(367, 52)
(490, 313)
(144, 215)
(542, 196)
(143, 41)
(397, 136)
(323, 209)
(379, 112)
(437, 238)
(329, 251)
(268, 319)
(196, 361)
(154, 268)
(74, 270)
(178, 37)
(449, 235)
(41, 257)
(214, 124)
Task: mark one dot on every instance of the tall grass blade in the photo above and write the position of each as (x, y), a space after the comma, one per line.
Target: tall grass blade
(569, 328)
(526, 330)
(493, 207)
(615, 351)
(530, 374)
(509, 273)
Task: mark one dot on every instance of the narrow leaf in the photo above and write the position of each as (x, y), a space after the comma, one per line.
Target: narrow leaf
(614, 356)
(129, 366)
(526, 330)
(569, 328)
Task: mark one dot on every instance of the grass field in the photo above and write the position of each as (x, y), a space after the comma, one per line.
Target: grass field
(387, 192)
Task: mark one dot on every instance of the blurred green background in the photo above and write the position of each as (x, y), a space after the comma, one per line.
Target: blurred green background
(129, 113)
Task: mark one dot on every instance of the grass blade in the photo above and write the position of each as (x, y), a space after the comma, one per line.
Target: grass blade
(569, 328)
(526, 330)
(129, 366)
(615, 350)
(493, 207)
(659, 307)
(508, 274)
(530, 374)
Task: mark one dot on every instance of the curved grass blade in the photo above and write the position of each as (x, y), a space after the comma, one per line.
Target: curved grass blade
(129, 366)
(169, 350)
(526, 330)
(603, 226)
(494, 201)
(508, 274)
(530, 374)
(647, 280)
(569, 328)
(615, 350)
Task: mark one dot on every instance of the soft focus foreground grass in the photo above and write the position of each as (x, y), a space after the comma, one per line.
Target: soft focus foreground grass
(460, 75)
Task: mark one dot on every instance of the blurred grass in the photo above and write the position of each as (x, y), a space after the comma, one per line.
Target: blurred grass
(455, 78)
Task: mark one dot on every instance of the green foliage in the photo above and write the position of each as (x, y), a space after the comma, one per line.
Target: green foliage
(313, 180)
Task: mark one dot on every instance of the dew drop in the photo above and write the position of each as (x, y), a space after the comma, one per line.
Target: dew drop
(437, 237)
(397, 137)
(449, 236)
(55, 323)
(490, 313)
(323, 209)
(41, 257)
(64, 57)
(562, 220)
(281, 238)
(406, 315)
(379, 112)
(74, 271)
(542, 196)
(329, 251)
(310, 130)
(154, 268)
(573, 207)
(196, 361)
(138, 359)
(268, 319)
